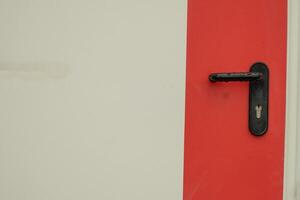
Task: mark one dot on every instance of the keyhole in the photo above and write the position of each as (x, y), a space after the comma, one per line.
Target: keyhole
(258, 110)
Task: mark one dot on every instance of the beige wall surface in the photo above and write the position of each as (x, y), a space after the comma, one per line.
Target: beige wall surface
(292, 139)
(92, 99)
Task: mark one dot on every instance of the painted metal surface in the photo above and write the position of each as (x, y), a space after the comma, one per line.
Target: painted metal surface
(222, 159)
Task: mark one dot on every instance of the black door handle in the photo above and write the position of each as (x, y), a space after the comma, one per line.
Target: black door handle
(235, 76)
(258, 94)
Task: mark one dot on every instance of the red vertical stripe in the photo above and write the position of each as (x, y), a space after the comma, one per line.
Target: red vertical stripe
(222, 159)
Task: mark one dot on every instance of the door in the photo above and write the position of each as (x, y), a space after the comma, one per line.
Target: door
(223, 160)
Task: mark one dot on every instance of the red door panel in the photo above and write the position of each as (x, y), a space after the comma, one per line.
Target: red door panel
(223, 161)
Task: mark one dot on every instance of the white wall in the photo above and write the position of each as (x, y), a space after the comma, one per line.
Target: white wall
(92, 99)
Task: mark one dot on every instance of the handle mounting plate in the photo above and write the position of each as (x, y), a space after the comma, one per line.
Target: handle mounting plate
(258, 101)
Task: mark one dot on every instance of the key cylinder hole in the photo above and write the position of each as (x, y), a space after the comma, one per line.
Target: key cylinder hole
(258, 110)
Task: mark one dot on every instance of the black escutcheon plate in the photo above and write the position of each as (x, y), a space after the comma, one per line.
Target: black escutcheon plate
(258, 101)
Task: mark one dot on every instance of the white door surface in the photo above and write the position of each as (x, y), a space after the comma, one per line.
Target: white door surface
(92, 99)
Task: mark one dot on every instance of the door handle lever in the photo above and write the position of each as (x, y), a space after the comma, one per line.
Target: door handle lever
(235, 76)
(258, 94)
